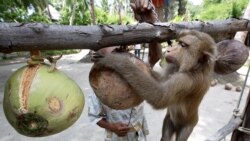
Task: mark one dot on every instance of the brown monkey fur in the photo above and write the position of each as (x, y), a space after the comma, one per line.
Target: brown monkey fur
(180, 88)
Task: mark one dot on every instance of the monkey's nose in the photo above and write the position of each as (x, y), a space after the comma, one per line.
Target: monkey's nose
(166, 52)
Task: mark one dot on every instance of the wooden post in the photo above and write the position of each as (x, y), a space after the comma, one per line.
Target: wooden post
(238, 135)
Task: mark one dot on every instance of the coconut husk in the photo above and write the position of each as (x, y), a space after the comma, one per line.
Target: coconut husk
(112, 89)
(232, 54)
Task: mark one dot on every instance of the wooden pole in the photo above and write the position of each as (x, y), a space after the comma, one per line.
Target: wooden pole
(238, 135)
(16, 37)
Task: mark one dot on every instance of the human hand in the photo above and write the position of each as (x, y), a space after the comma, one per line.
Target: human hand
(120, 129)
(144, 11)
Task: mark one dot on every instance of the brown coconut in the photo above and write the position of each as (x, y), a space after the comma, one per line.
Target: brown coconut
(112, 89)
(232, 54)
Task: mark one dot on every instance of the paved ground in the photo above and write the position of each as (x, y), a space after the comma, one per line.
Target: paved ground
(215, 110)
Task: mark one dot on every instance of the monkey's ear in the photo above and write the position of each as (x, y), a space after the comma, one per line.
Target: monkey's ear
(207, 57)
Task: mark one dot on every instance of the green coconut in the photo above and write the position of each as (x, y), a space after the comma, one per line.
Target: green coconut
(38, 102)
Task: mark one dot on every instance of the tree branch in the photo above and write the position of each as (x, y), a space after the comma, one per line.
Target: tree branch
(16, 37)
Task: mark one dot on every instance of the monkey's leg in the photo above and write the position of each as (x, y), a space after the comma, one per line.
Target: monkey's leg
(167, 129)
(184, 132)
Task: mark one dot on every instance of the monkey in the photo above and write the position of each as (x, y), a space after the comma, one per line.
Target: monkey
(180, 87)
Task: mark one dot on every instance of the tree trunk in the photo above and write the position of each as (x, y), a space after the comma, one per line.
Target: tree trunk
(16, 37)
(73, 11)
(169, 9)
(92, 12)
(182, 7)
(64, 3)
(120, 12)
(87, 57)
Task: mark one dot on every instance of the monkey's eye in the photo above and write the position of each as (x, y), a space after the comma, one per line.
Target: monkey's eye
(183, 44)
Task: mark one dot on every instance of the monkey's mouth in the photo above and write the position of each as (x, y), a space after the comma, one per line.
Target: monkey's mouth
(170, 60)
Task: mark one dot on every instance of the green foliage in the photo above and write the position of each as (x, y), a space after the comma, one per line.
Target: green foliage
(178, 19)
(17, 11)
(80, 17)
(103, 17)
(211, 12)
(8, 15)
(105, 5)
(65, 14)
(208, 2)
(218, 9)
(37, 4)
(9, 11)
(35, 17)
(238, 7)
(114, 19)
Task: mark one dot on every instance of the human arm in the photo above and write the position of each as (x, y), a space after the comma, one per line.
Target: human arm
(155, 53)
(144, 11)
(97, 114)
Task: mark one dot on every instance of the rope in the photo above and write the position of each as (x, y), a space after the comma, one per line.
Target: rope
(37, 59)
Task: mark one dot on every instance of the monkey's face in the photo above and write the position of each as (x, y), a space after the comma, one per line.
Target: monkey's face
(185, 52)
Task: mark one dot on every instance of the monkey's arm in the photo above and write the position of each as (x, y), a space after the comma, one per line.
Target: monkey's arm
(156, 75)
(160, 94)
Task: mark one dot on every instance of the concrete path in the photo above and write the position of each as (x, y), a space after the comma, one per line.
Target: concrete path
(215, 111)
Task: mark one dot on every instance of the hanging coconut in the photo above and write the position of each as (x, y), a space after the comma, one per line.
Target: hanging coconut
(112, 89)
(232, 54)
(38, 102)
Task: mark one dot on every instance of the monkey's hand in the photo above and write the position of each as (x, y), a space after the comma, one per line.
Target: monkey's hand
(120, 129)
(144, 11)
